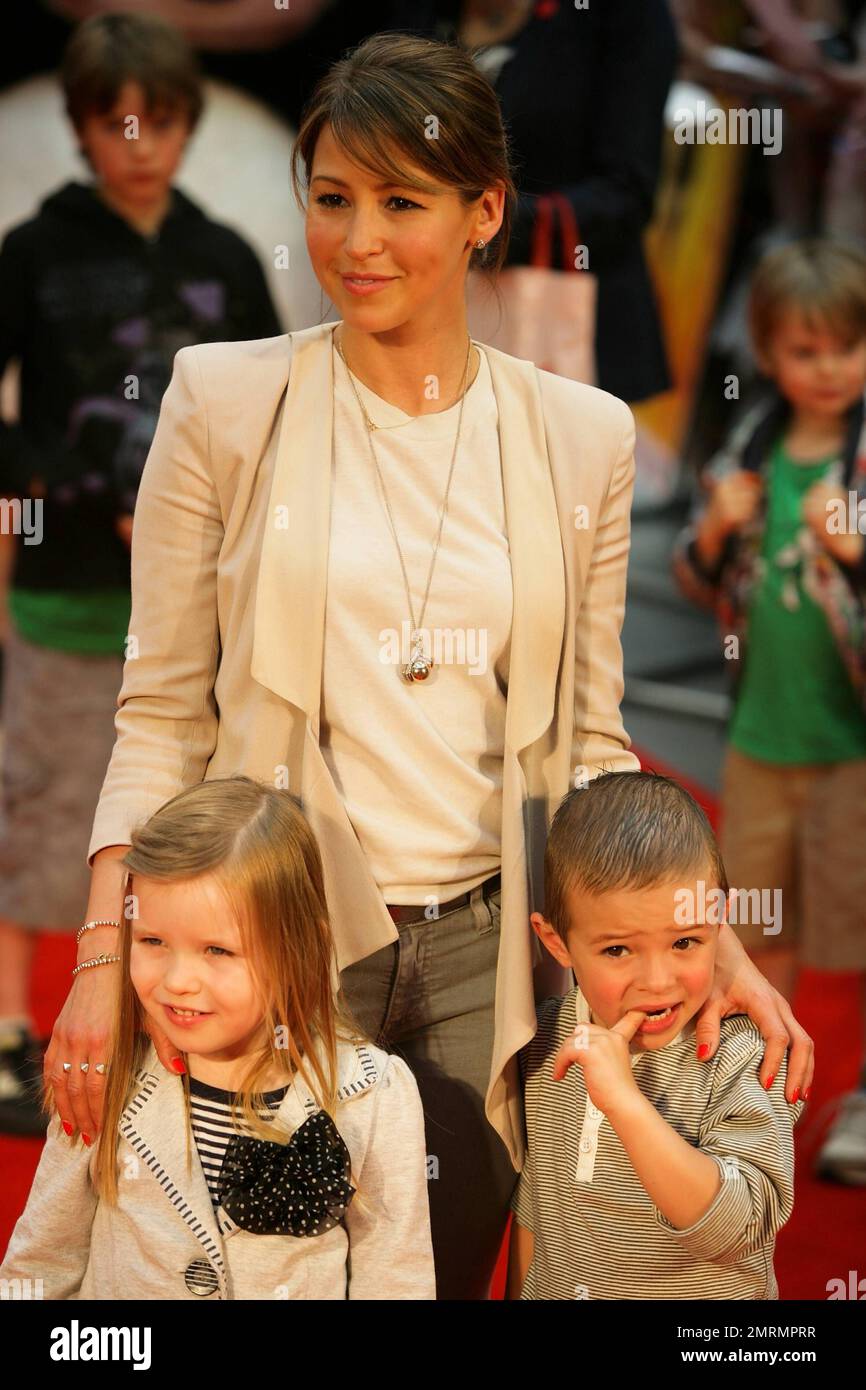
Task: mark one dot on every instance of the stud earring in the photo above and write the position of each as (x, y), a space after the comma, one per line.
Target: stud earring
(479, 244)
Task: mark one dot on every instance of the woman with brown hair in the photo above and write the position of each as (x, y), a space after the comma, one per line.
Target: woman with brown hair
(385, 566)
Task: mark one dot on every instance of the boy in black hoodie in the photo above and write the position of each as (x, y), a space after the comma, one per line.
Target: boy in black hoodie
(98, 291)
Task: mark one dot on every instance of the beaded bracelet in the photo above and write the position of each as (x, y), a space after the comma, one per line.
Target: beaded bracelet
(89, 926)
(94, 960)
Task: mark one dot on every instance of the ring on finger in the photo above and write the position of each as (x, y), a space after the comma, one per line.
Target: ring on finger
(67, 1066)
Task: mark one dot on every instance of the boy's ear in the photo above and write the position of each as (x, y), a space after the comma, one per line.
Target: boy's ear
(551, 939)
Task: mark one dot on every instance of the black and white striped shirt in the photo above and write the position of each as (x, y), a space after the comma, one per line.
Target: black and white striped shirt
(597, 1232)
(212, 1128)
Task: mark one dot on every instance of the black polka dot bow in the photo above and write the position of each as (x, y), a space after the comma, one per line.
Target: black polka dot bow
(297, 1189)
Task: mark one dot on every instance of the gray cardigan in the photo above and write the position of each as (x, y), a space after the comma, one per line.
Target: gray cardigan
(162, 1240)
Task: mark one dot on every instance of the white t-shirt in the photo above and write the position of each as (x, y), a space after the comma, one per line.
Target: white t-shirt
(419, 766)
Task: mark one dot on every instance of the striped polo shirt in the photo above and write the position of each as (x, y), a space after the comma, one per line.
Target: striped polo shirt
(597, 1232)
(212, 1128)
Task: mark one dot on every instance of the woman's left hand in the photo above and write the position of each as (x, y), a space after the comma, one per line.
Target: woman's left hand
(740, 988)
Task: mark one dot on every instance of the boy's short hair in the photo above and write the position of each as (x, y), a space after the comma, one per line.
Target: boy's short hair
(625, 830)
(825, 280)
(108, 50)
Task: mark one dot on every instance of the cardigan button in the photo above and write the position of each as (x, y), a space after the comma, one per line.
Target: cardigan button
(201, 1278)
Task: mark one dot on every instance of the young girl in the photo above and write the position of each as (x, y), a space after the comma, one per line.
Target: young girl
(289, 1160)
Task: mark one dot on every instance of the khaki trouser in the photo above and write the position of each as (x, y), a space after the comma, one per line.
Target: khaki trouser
(799, 831)
(428, 997)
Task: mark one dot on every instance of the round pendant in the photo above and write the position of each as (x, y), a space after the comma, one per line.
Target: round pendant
(418, 669)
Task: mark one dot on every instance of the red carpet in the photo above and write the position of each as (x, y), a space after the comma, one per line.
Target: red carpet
(826, 1235)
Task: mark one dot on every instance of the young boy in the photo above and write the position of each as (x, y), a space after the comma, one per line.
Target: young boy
(648, 1174)
(778, 550)
(97, 293)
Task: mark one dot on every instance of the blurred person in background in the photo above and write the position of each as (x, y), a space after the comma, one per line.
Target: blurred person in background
(819, 179)
(814, 68)
(805, 71)
(582, 94)
(275, 54)
(97, 293)
(776, 549)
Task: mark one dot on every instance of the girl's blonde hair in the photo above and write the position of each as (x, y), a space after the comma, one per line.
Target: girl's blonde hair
(255, 842)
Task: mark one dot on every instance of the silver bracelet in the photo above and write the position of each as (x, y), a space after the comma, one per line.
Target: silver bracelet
(89, 926)
(94, 960)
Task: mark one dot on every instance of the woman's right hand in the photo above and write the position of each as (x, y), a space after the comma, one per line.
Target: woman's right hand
(165, 1048)
(81, 1034)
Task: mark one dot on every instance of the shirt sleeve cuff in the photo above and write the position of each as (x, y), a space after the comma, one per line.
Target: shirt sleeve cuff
(722, 1223)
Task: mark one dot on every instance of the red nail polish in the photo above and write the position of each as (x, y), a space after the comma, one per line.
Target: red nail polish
(704, 1050)
(67, 1129)
(178, 1066)
(86, 1138)
(807, 1092)
(795, 1097)
(768, 1083)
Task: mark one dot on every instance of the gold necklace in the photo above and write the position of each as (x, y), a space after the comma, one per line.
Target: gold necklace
(419, 665)
(401, 424)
